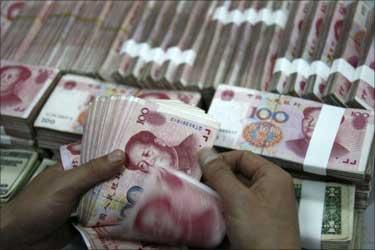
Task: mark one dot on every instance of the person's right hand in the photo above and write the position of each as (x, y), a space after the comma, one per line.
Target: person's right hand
(259, 203)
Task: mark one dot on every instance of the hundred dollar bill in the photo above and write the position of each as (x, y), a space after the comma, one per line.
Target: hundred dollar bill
(16, 168)
(282, 128)
(337, 212)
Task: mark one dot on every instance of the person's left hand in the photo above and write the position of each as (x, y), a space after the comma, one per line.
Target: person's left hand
(37, 217)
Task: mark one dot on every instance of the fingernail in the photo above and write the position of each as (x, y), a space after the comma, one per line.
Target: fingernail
(116, 156)
(206, 155)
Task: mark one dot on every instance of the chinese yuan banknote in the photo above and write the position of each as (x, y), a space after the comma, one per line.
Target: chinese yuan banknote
(158, 198)
(71, 155)
(66, 108)
(284, 128)
(23, 87)
(188, 97)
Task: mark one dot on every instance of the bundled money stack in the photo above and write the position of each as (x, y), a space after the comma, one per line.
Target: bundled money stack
(162, 171)
(328, 62)
(311, 140)
(24, 89)
(290, 131)
(72, 35)
(63, 116)
(164, 44)
(13, 141)
(17, 166)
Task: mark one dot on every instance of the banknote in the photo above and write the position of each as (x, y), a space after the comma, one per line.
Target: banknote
(316, 35)
(23, 87)
(337, 220)
(16, 166)
(281, 127)
(93, 241)
(9, 12)
(292, 43)
(188, 97)
(338, 86)
(316, 82)
(142, 129)
(70, 155)
(66, 107)
(363, 91)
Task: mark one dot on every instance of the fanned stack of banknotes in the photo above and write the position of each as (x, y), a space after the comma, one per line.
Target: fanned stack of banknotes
(81, 79)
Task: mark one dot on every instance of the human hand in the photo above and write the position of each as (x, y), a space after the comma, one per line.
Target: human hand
(259, 203)
(37, 217)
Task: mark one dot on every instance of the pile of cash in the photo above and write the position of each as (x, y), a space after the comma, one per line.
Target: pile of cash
(162, 173)
(62, 118)
(82, 78)
(18, 167)
(164, 44)
(285, 129)
(24, 89)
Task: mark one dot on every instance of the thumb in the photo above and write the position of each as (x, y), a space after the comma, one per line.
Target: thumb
(96, 171)
(219, 175)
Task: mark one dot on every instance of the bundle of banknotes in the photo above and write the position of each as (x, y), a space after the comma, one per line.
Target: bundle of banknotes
(62, 118)
(169, 44)
(24, 89)
(310, 139)
(18, 167)
(285, 129)
(158, 198)
(7, 140)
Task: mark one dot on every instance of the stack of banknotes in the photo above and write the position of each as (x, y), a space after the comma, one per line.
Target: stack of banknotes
(169, 44)
(18, 167)
(7, 140)
(291, 132)
(62, 118)
(158, 198)
(24, 89)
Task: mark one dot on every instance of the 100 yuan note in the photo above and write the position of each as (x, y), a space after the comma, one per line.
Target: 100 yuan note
(281, 127)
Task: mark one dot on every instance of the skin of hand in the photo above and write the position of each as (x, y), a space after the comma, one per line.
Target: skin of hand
(260, 209)
(37, 218)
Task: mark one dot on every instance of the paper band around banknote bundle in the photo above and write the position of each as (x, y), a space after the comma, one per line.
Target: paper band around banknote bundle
(310, 213)
(157, 54)
(365, 73)
(250, 15)
(326, 128)
(320, 68)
